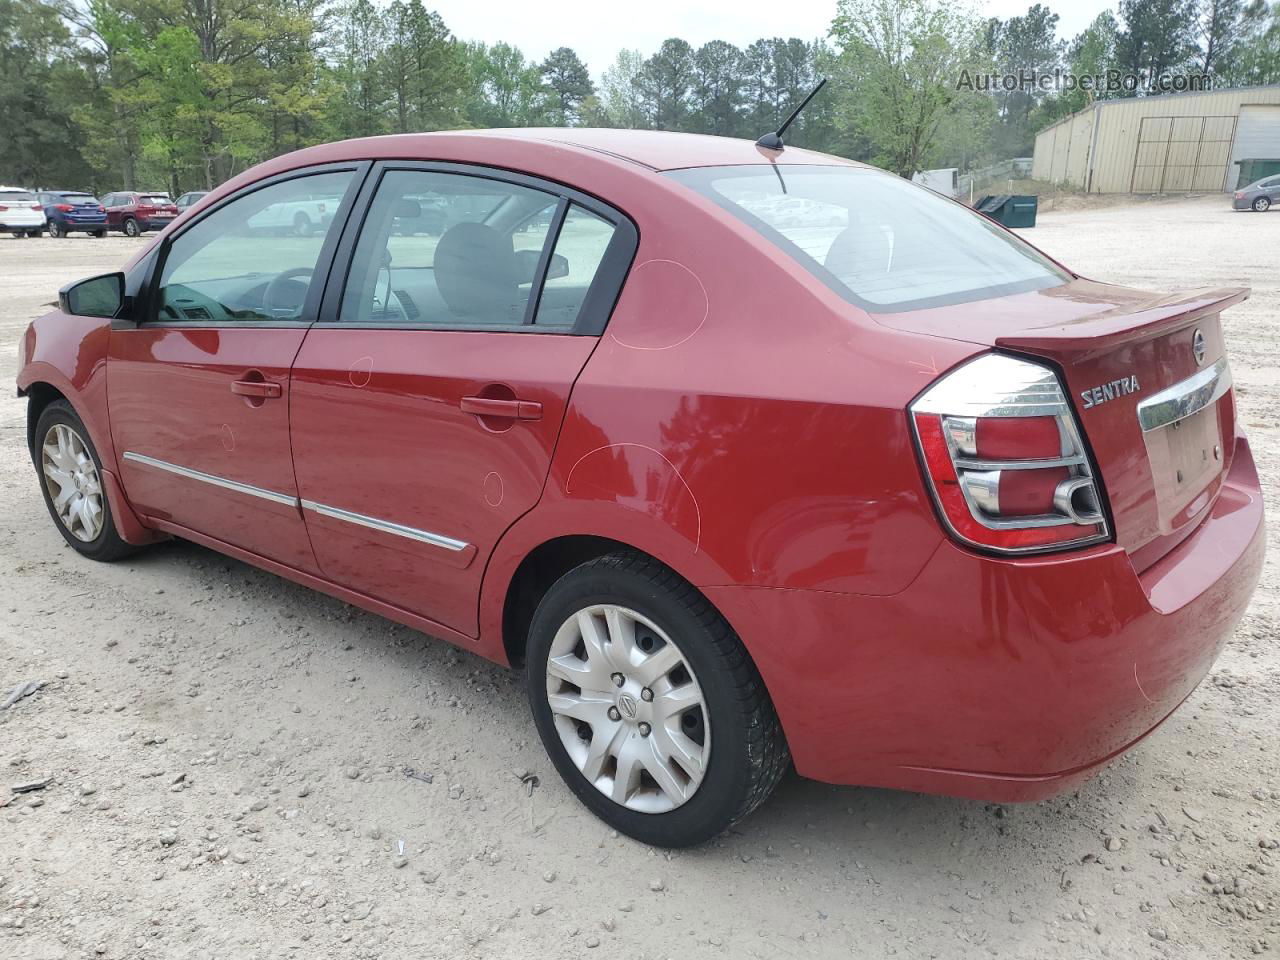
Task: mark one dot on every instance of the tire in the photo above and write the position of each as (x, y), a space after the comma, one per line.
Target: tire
(55, 230)
(1262, 204)
(96, 539)
(302, 225)
(98, 234)
(131, 228)
(727, 727)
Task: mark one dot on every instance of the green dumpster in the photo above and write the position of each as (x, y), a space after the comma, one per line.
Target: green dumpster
(1254, 169)
(1010, 209)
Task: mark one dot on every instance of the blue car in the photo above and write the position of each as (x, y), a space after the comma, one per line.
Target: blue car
(70, 210)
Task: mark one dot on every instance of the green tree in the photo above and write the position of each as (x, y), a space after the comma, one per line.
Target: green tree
(664, 84)
(899, 65)
(37, 134)
(568, 82)
(1016, 46)
(425, 67)
(622, 102)
(716, 95)
(1158, 36)
(507, 89)
(1256, 55)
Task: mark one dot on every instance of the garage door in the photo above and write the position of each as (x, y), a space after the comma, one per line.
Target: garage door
(1182, 154)
(1257, 137)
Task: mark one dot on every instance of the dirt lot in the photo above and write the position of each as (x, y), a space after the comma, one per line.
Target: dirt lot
(229, 751)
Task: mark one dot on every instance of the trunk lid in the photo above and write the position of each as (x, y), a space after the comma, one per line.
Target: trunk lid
(1149, 384)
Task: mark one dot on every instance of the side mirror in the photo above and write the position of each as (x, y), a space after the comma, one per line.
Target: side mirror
(558, 267)
(96, 297)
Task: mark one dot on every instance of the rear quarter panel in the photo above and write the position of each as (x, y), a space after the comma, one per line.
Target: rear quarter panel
(740, 422)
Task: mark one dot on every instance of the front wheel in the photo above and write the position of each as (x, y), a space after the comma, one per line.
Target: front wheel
(71, 480)
(1262, 204)
(302, 225)
(131, 228)
(648, 704)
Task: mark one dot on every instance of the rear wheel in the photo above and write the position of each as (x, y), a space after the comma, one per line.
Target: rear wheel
(302, 225)
(131, 228)
(648, 704)
(1262, 204)
(99, 233)
(71, 479)
(55, 230)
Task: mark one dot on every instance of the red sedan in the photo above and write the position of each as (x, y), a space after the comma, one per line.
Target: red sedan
(750, 457)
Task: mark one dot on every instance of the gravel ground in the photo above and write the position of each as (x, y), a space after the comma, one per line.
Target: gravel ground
(229, 753)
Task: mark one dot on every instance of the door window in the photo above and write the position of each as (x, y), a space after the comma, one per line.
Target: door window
(252, 260)
(580, 248)
(448, 250)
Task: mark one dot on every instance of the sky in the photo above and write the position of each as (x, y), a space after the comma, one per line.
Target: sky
(598, 29)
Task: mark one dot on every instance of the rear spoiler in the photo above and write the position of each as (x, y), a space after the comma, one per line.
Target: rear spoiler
(1102, 332)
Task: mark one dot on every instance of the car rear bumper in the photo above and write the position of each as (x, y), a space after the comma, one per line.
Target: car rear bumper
(156, 223)
(1242, 204)
(1003, 680)
(67, 223)
(12, 220)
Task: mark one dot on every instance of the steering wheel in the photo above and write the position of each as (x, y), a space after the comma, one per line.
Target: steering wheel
(274, 299)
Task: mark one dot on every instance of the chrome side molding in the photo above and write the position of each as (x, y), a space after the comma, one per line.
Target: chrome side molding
(386, 526)
(246, 488)
(337, 513)
(1185, 398)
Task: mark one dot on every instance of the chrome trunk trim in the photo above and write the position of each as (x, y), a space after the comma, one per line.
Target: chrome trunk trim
(1185, 398)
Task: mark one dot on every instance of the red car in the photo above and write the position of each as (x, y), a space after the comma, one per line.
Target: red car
(749, 457)
(133, 214)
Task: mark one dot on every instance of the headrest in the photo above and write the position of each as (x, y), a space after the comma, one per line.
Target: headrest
(476, 273)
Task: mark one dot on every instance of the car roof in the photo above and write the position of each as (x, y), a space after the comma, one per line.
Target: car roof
(653, 149)
(665, 149)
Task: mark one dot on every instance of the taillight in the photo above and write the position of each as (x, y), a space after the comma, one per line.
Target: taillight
(1005, 462)
(63, 207)
(3, 208)
(36, 206)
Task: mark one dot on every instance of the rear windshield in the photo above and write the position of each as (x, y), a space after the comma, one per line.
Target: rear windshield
(882, 243)
(16, 196)
(155, 198)
(79, 198)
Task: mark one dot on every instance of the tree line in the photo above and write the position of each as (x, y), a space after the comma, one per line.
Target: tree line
(182, 94)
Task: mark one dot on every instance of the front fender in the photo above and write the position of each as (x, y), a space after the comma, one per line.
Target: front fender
(69, 354)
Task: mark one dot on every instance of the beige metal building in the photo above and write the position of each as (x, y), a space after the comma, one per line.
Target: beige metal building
(1175, 143)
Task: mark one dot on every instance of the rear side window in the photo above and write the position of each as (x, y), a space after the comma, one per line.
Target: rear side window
(584, 239)
(449, 250)
(882, 243)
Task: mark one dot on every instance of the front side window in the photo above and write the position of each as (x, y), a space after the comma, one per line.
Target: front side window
(882, 243)
(246, 261)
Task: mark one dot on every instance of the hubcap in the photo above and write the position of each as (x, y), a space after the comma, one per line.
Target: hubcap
(644, 742)
(71, 478)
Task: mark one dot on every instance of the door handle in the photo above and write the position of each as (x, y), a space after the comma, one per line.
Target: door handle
(508, 409)
(255, 388)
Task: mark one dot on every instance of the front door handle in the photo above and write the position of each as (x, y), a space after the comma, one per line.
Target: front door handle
(255, 388)
(508, 409)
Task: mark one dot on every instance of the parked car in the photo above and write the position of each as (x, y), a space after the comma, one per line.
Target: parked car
(1260, 195)
(301, 217)
(71, 210)
(189, 199)
(20, 213)
(892, 496)
(135, 213)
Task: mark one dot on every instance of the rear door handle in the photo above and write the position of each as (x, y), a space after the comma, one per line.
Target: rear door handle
(255, 388)
(510, 409)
